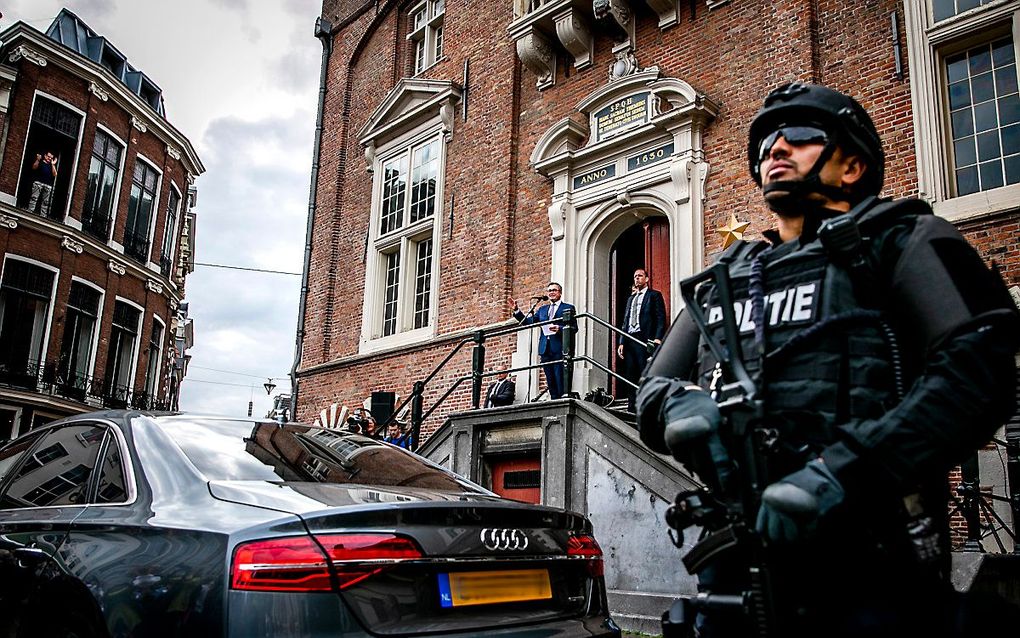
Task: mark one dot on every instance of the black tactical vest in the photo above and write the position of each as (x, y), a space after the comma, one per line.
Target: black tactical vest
(828, 357)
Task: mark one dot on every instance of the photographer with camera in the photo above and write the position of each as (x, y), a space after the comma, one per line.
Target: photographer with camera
(869, 351)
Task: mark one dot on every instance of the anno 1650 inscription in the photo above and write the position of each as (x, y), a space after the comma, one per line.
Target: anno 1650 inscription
(621, 115)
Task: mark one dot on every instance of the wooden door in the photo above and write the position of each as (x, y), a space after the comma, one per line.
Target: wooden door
(657, 257)
(517, 477)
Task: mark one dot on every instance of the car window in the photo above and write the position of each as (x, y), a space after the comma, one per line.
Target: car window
(57, 471)
(111, 487)
(11, 454)
(239, 450)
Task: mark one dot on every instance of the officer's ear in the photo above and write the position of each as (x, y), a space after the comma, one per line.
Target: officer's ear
(852, 169)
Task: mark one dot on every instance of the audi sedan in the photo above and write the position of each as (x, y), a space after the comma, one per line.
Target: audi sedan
(135, 524)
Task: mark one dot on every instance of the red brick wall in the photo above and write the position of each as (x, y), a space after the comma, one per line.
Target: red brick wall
(501, 238)
(26, 240)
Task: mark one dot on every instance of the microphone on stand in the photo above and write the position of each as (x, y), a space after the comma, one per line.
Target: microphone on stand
(542, 297)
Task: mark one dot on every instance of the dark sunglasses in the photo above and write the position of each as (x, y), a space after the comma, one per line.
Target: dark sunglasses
(795, 135)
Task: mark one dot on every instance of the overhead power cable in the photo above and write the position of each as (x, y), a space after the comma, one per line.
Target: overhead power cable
(236, 385)
(243, 374)
(265, 270)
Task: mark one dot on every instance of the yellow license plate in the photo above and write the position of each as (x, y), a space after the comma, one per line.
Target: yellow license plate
(459, 589)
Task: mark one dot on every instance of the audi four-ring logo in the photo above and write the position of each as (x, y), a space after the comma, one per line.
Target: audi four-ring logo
(503, 539)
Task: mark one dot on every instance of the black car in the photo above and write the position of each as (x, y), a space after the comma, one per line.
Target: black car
(136, 524)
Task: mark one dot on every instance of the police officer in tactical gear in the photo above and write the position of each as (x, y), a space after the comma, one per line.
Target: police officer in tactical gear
(882, 349)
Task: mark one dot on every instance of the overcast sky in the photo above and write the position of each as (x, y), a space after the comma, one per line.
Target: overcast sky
(240, 80)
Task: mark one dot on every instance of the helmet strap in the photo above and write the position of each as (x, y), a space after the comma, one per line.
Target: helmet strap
(795, 198)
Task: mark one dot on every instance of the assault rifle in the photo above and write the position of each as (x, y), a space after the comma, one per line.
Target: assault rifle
(728, 513)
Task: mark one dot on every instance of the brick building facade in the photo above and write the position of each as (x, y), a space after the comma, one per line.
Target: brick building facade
(93, 268)
(473, 151)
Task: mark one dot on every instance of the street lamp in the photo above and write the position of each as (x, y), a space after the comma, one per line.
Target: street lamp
(269, 386)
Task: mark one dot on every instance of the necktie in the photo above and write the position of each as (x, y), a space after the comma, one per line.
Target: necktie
(635, 312)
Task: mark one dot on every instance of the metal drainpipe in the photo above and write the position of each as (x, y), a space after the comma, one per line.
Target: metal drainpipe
(323, 31)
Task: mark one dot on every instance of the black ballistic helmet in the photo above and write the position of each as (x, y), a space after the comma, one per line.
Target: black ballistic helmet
(847, 123)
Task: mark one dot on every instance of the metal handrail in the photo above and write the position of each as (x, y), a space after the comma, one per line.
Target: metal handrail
(477, 375)
(483, 333)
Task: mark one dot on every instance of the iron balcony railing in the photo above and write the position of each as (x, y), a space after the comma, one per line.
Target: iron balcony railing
(136, 245)
(91, 391)
(97, 226)
(25, 374)
(166, 265)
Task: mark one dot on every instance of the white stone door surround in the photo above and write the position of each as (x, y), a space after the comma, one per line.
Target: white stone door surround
(640, 155)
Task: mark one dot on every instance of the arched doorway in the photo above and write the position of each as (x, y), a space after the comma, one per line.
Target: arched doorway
(645, 244)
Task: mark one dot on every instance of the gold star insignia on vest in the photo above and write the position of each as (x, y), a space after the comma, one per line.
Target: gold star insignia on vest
(732, 231)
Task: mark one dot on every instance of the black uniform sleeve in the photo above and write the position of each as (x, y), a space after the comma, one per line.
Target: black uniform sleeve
(671, 367)
(964, 387)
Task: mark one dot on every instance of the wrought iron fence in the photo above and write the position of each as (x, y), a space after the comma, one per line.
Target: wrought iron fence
(23, 374)
(96, 225)
(136, 245)
(92, 391)
(166, 265)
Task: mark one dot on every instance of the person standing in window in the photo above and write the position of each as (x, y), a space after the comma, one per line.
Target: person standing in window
(550, 342)
(644, 319)
(44, 175)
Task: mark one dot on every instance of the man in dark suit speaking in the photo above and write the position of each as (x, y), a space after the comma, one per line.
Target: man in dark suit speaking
(644, 319)
(550, 342)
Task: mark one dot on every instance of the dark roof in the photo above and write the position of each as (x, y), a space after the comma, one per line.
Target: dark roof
(71, 31)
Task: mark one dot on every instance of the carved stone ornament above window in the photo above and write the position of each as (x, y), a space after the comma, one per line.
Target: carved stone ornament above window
(154, 286)
(623, 113)
(138, 124)
(73, 245)
(8, 221)
(173, 152)
(98, 91)
(412, 102)
(24, 53)
(116, 268)
(625, 64)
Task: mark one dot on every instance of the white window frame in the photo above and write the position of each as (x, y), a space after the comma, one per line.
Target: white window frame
(120, 182)
(138, 340)
(155, 206)
(18, 411)
(177, 228)
(405, 240)
(53, 298)
(99, 320)
(427, 34)
(159, 358)
(928, 44)
(77, 151)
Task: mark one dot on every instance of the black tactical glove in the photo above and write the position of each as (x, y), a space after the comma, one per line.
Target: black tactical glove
(791, 507)
(681, 418)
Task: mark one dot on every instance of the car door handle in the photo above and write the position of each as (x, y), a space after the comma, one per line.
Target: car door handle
(28, 556)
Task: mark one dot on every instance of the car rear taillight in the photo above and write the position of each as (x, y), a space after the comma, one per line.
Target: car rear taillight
(587, 547)
(299, 564)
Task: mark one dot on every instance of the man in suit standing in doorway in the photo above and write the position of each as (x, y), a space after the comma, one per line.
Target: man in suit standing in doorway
(550, 341)
(644, 319)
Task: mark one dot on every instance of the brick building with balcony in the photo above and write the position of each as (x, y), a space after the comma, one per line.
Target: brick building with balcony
(95, 244)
